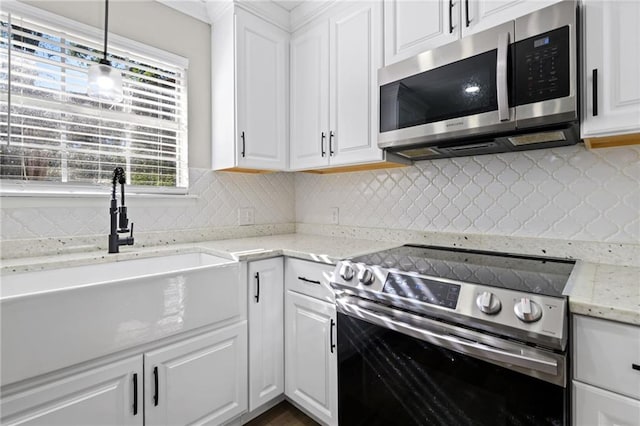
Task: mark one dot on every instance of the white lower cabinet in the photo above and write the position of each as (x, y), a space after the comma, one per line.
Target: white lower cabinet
(311, 368)
(606, 380)
(106, 395)
(200, 380)
(598, 407)
(266, 335)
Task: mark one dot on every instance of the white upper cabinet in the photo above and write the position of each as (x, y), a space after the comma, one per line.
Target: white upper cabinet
(479, 15)
(412, 27)
(266, 334)
(355, 43)
(310, 97)
(611, 96)
(250, 87)
(415, 26)
(334, 100)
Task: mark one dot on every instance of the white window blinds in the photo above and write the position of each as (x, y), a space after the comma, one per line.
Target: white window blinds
(51, 131)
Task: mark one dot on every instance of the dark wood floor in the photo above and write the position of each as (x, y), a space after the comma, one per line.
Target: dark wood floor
(283, 414)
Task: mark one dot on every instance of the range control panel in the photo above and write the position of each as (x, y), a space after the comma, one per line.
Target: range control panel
(425, 290)
(525, 316)
(542, 67)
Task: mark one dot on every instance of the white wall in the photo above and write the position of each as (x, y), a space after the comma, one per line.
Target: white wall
(156, 25)
(566, 193)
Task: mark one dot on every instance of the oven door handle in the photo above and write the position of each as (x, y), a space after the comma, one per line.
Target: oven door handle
(448, 341)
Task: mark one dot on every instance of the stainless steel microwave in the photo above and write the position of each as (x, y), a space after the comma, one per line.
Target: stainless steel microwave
(510, 88)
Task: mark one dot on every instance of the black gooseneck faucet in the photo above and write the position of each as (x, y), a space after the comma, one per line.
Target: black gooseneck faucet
(119, 225)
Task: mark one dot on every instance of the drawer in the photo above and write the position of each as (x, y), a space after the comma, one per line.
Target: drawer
(605, 353)
(309, 278)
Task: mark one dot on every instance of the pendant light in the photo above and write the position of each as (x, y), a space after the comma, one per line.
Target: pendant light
(105, 82)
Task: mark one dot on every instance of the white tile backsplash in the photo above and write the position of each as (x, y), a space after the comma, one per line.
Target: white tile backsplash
(566, 193)
(214, 202)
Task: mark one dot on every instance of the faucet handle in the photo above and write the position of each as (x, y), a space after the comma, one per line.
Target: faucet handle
(129, 240)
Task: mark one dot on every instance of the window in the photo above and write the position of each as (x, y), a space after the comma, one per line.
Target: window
(51, 131)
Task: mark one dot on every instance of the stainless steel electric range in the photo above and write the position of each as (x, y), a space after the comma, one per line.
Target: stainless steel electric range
(437, 336)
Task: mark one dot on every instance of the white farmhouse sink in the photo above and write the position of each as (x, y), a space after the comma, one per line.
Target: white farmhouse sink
(57, 318)
(27, 283)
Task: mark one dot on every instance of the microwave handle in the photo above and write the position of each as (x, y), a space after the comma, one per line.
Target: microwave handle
(501, 77)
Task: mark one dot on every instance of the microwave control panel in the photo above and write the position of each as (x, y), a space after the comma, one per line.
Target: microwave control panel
(542, 67)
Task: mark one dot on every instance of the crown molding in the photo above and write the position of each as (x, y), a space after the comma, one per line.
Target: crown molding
(210, 11)
(194, 8)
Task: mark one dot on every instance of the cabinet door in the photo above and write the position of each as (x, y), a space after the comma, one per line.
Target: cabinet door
(479, 15)
(310, 98)
(412, 27)
(612, 40)
(202, 379)
(109, 395)
(596, 407)
(355, 56)
(262, 92)
(266, 335)
(310, 359)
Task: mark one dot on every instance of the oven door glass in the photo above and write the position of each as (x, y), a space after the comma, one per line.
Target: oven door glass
(388, 378)
(460, 89)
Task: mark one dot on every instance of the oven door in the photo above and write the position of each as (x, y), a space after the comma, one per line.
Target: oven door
(396, 368)
(455, 91)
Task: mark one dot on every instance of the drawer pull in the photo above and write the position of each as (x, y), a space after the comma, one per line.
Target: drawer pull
(257, 296)
(155, 385)
(635, 366)
(594, 83)
(307, 280)
(135, 394)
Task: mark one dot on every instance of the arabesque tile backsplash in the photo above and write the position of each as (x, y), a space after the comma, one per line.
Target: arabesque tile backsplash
(217, 197)
(565, 193)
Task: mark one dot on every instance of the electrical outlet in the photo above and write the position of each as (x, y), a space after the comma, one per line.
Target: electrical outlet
(246, 216)
(335, 215)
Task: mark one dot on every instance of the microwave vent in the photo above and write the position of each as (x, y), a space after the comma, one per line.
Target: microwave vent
(537, 138)
(418, 152)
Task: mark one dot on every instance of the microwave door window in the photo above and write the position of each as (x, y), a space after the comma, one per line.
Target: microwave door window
(460, 89)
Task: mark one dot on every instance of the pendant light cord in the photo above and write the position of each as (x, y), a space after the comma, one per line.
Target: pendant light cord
(106, 26)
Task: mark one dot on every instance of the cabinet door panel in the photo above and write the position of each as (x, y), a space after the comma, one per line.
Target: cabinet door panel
(310, 98)
(597, 407)
(412, 27)
(266, 334)
(356, 46)
(484, 14)
(311, 365)
(262, 90)
(612, 36)
(102, 396)
(202, 379)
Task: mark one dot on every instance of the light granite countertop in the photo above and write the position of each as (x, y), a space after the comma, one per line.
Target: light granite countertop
(607, 291)
(317, 248)
(599, 290)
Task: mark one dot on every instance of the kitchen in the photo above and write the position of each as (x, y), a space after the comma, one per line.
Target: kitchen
(286, 231)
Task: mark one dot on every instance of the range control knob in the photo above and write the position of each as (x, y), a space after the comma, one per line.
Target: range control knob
(527, 310)
(365, 276)
(488, 303)
(346, 272)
